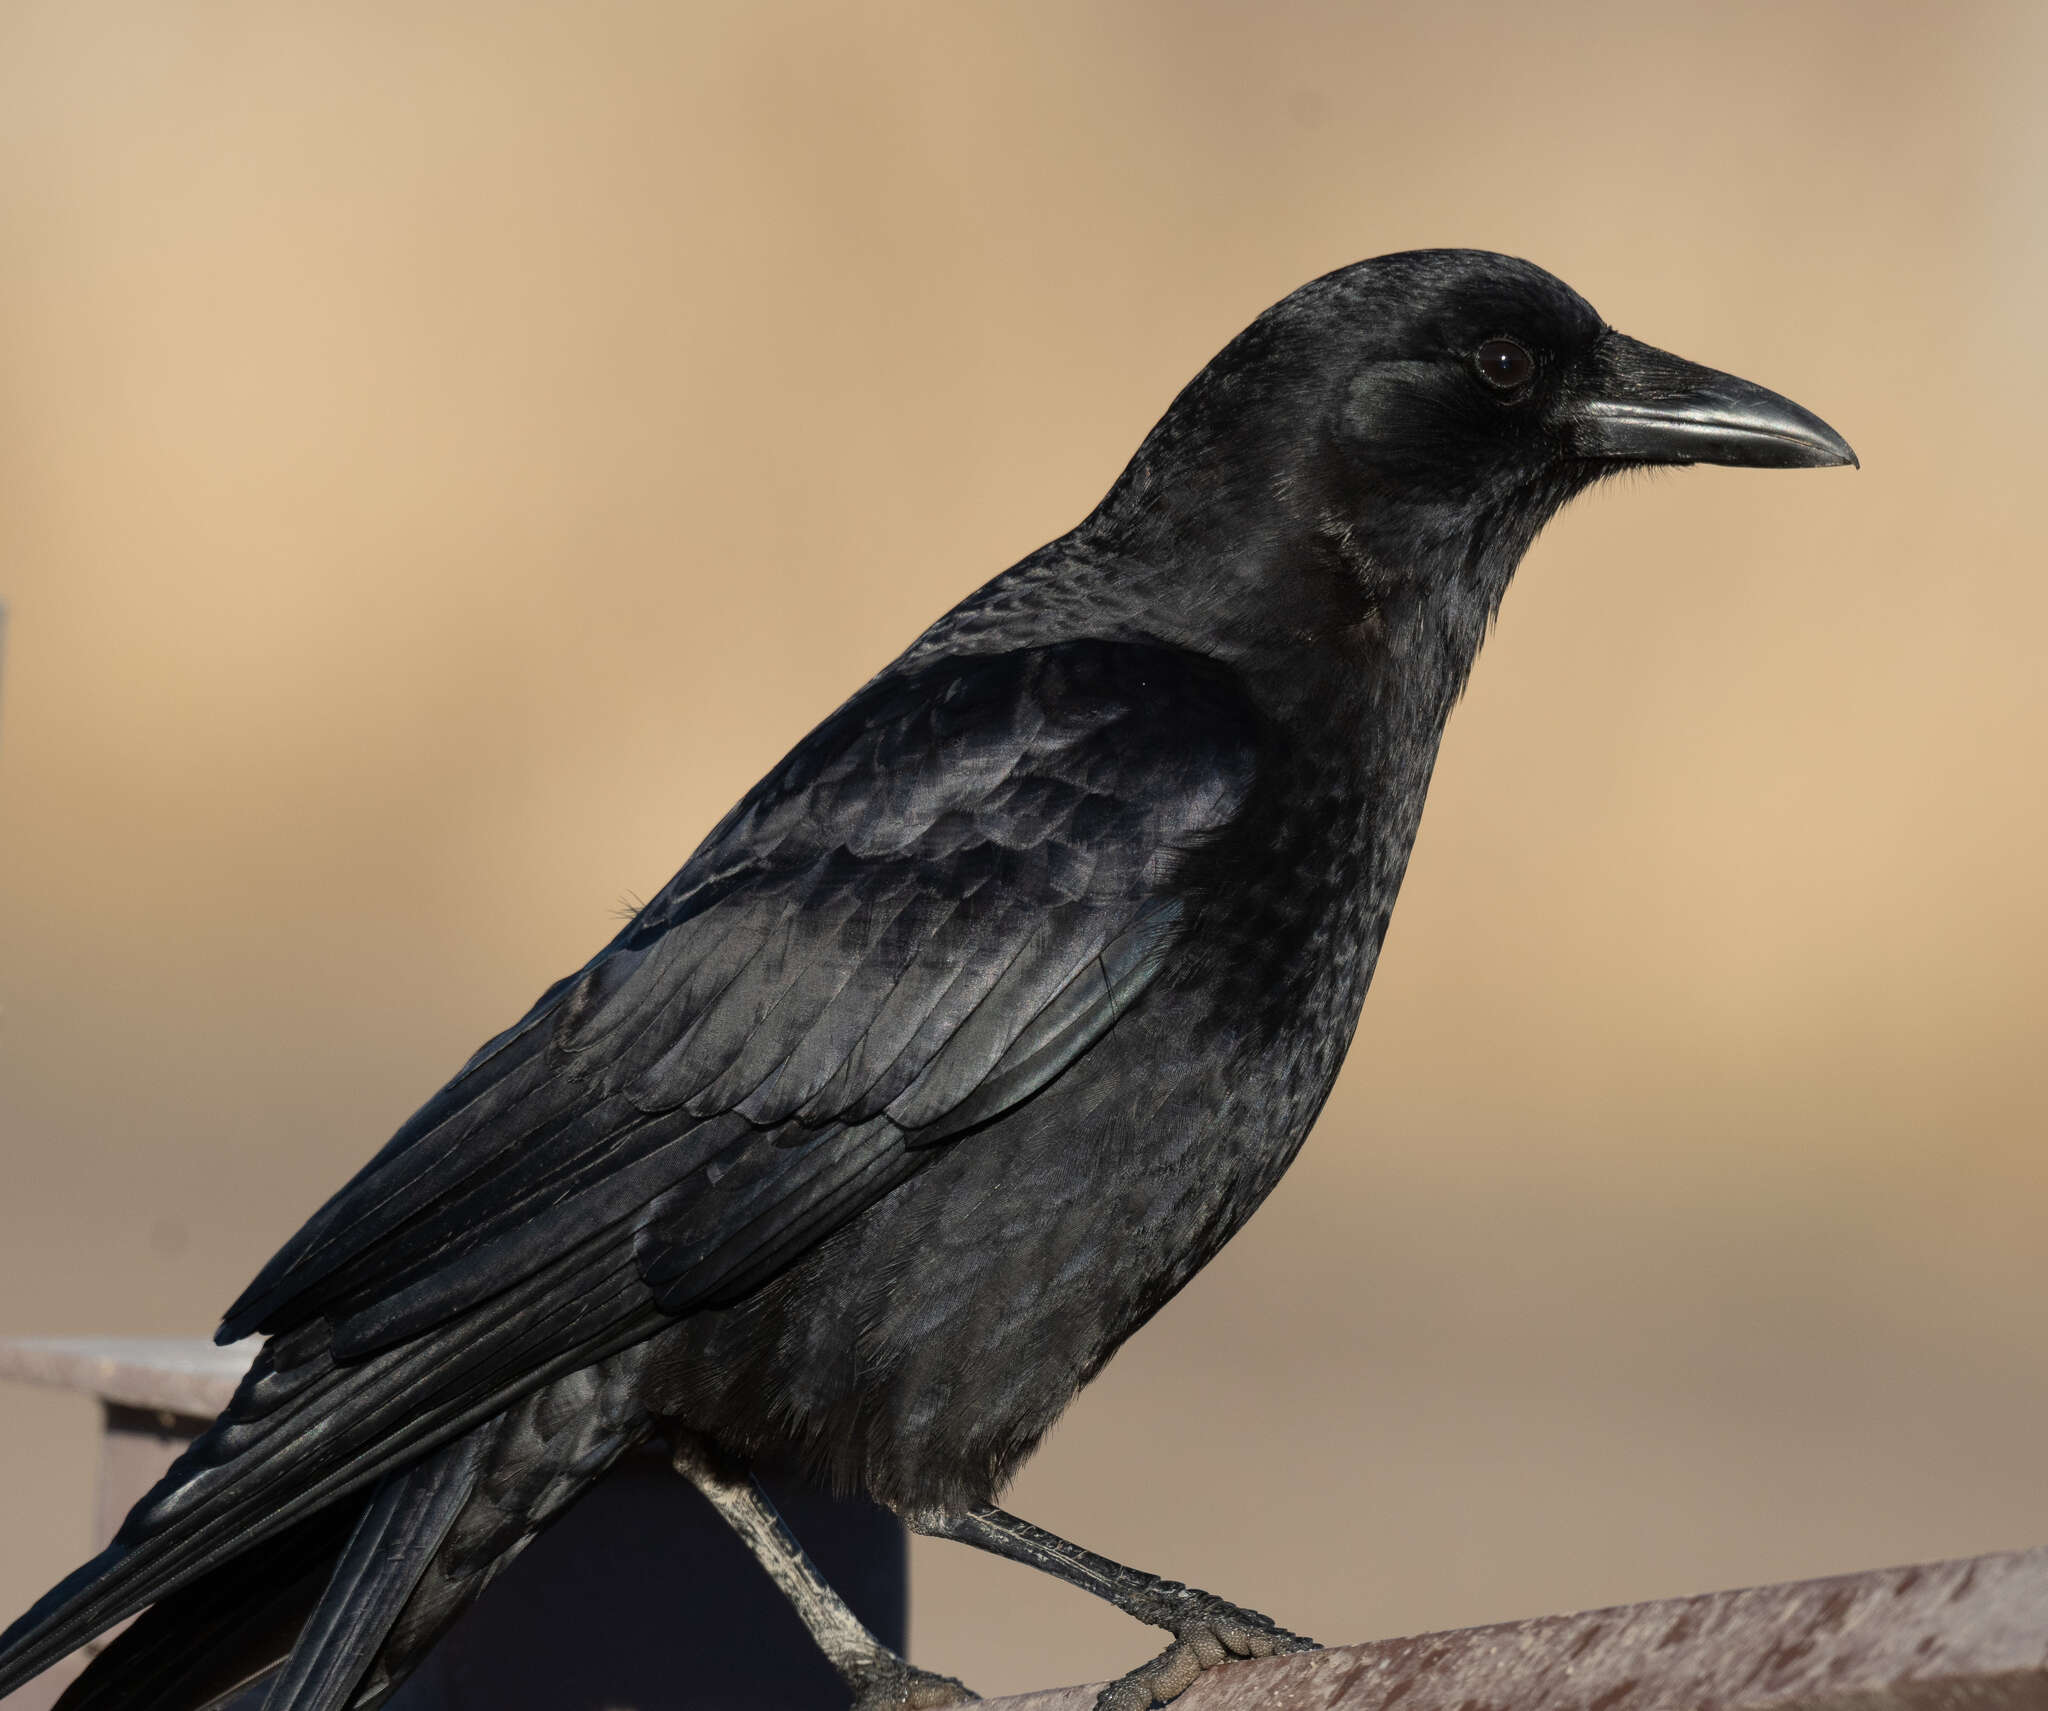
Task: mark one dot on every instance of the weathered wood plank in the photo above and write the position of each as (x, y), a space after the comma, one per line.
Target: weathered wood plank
(1970, 1635)
(170, 1375)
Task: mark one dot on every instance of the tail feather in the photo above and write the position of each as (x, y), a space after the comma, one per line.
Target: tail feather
(209, 1641)
(340, 1607)
(298, 1440)
(401, 1529)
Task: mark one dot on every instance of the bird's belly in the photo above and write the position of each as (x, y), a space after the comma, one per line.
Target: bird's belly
(921, 1353)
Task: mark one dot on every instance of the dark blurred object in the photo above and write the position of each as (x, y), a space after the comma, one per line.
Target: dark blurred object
(641, 1599)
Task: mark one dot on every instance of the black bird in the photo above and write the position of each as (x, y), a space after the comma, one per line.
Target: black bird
(960, 1044)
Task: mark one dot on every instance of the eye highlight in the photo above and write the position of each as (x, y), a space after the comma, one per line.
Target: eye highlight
(1504, 365)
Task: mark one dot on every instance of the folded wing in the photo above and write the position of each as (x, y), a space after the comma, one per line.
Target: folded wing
(930, 908)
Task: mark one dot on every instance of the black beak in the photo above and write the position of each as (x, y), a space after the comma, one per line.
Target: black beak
(1637, 404)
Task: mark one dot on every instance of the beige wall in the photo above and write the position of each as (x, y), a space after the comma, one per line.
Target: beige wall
(447, 452)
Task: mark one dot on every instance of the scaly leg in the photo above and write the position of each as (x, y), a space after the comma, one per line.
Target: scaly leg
(1206, 1630)
(878, 1679)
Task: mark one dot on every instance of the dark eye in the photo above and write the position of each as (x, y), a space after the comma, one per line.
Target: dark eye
(1504, 364)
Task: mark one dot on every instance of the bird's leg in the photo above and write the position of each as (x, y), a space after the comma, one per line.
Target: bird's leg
(1206, 1630)
(878, 1679)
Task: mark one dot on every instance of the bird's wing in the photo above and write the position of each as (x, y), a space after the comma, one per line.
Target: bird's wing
(940, 898)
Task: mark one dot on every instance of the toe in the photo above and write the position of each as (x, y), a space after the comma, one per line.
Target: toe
(904, 1688)
(1127, 1693)
(1165, 1678)
(1240, 1638)
(1175, 1671)
(1207, 1632)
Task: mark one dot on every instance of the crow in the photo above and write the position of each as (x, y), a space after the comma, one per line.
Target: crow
(960, 1044)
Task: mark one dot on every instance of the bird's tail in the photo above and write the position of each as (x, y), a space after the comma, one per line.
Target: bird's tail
(204, 1643)
(308, 1611)
(336, 1611)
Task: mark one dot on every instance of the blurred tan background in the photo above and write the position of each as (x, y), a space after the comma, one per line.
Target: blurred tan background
(447, 452)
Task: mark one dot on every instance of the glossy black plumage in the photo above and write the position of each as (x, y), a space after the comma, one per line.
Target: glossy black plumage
(966, 1038)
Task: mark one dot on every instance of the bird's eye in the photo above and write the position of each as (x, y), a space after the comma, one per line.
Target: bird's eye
(1504, 364)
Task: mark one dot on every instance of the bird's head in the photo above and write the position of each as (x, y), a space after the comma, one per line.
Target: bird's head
(1411, 422)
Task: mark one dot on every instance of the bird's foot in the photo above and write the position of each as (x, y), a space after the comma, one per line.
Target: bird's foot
(1206, 1632)
(888, 1683)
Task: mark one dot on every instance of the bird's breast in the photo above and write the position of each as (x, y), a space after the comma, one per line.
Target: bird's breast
(1289, 909)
